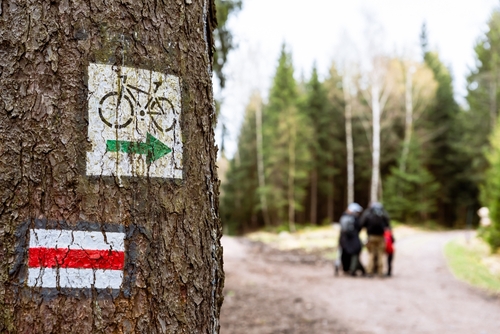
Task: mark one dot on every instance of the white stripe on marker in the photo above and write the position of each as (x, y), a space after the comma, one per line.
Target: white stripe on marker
(93, 240)
(42, 277)
(74, 278)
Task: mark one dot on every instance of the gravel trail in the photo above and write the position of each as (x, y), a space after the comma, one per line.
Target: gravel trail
(272, 291)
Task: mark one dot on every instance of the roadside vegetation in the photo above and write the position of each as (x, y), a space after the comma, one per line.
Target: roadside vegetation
(472, 262)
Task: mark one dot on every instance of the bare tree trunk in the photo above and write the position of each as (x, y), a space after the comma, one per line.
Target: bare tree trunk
(329, 208)
(330, 212)
(291, 176)
(408, 119)
(376, 110)
(314, 197)
(260, 163)
(349, 140)
(109, 201)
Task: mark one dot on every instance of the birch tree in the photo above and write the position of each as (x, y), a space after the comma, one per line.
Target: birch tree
(376, 92)
(347, 87)
(348, 63)
(420, 90)
(378, 95)
(409, 189)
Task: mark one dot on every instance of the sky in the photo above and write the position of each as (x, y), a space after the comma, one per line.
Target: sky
(314, 30)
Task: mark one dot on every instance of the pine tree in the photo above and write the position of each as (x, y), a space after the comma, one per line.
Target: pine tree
(333, 185)
(285, 133)
(483, 92)
(409, 193)
(443, 153)
(322, 143)
(240, 202)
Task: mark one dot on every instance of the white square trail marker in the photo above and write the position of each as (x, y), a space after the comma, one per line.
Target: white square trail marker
(75, 259)
(134, 123)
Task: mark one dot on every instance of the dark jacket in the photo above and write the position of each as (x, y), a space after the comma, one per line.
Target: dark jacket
(349, 240)
(375, 220)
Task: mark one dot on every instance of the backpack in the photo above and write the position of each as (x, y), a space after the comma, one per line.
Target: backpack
(375, 221)
(389, 246)
(347, 225)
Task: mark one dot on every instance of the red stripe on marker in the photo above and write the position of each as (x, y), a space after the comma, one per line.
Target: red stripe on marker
(75, 258)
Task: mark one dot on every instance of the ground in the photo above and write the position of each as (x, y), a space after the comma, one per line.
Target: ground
(292, 291)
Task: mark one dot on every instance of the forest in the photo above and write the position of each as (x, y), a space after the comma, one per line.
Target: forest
(387, 131)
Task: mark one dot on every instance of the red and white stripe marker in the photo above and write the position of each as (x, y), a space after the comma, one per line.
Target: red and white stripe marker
(75, 259)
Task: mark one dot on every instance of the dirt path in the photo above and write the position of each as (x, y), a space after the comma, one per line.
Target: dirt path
(269, 291)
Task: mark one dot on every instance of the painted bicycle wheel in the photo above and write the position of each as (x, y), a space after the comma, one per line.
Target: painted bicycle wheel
(116, 110)
(162, 114)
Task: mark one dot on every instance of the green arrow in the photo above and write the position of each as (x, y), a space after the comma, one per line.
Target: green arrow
(153, 148)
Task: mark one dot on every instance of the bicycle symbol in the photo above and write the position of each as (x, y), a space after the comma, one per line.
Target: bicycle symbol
(118, 109)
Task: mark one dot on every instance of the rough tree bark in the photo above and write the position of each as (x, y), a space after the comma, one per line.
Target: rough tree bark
(152, 204)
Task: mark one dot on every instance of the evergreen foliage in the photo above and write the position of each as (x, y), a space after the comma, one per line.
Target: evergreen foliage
(223, 37)
(409, 194)
(324, 142)
(238, 209)
(483, 89)
(409, 188)
(443, 154)
(490, 190)
(286, 131)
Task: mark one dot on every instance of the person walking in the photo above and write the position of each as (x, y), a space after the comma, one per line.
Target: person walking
(349, 241)
(376, 220)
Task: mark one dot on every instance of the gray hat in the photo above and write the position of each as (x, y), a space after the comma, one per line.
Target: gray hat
(355, 207)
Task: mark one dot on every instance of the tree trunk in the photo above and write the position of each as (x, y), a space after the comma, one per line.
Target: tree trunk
(260, 162)
(291, 175)
(314, 196)
(330, 200)
(109, 201)
(408, 119)
(349, 140)
(376, 110)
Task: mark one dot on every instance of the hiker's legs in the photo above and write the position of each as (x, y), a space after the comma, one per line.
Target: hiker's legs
(371, 254)
(354, 264)
(346, 261)
(389, 264)
(359, 265)
(380, 256)
(376, 248)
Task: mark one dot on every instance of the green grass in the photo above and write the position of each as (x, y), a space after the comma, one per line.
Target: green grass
(307, 238)
(467, 262)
